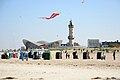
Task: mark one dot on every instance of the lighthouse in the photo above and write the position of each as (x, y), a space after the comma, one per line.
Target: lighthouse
(71, 33)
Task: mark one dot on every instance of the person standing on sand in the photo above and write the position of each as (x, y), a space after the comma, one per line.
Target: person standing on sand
(23, 56)
(114, 55)
(88, 56)
(68, 56)
(26, 56)
(103, 56)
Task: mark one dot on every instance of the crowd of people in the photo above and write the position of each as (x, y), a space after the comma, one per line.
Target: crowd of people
(25, 55)
(86, 54)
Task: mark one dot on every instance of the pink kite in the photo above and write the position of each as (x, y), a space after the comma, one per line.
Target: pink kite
(52, 16)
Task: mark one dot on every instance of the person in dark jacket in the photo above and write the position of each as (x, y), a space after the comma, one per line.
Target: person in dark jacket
(114, 55)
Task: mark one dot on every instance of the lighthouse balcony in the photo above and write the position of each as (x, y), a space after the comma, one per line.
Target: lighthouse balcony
(70, 38)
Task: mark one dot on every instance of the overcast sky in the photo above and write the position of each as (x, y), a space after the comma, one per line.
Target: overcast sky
(93, 19)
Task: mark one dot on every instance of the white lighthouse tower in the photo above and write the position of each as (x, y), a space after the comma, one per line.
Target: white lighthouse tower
(71, 34)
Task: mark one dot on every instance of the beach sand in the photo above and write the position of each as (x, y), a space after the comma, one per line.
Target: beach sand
(63, 69)
(59, 69)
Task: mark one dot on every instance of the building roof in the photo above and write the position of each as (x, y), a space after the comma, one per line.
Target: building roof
(40, 44)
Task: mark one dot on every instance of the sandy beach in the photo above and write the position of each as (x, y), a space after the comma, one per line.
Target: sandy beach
(60, 69)
(59, 40)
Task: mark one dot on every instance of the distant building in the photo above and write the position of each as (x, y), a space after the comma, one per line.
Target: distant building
(22, 48)
(93, 43)
(75, 44)
(55, 44)
(111, 44)
(41, 44)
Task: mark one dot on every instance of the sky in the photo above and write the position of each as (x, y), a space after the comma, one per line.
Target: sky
(93, 19)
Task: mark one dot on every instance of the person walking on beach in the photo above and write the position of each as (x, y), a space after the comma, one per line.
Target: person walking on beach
(114, 55)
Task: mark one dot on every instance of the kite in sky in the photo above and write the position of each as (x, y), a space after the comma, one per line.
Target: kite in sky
(52, 16)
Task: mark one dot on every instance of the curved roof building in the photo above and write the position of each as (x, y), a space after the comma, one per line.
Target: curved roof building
(41, 44)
